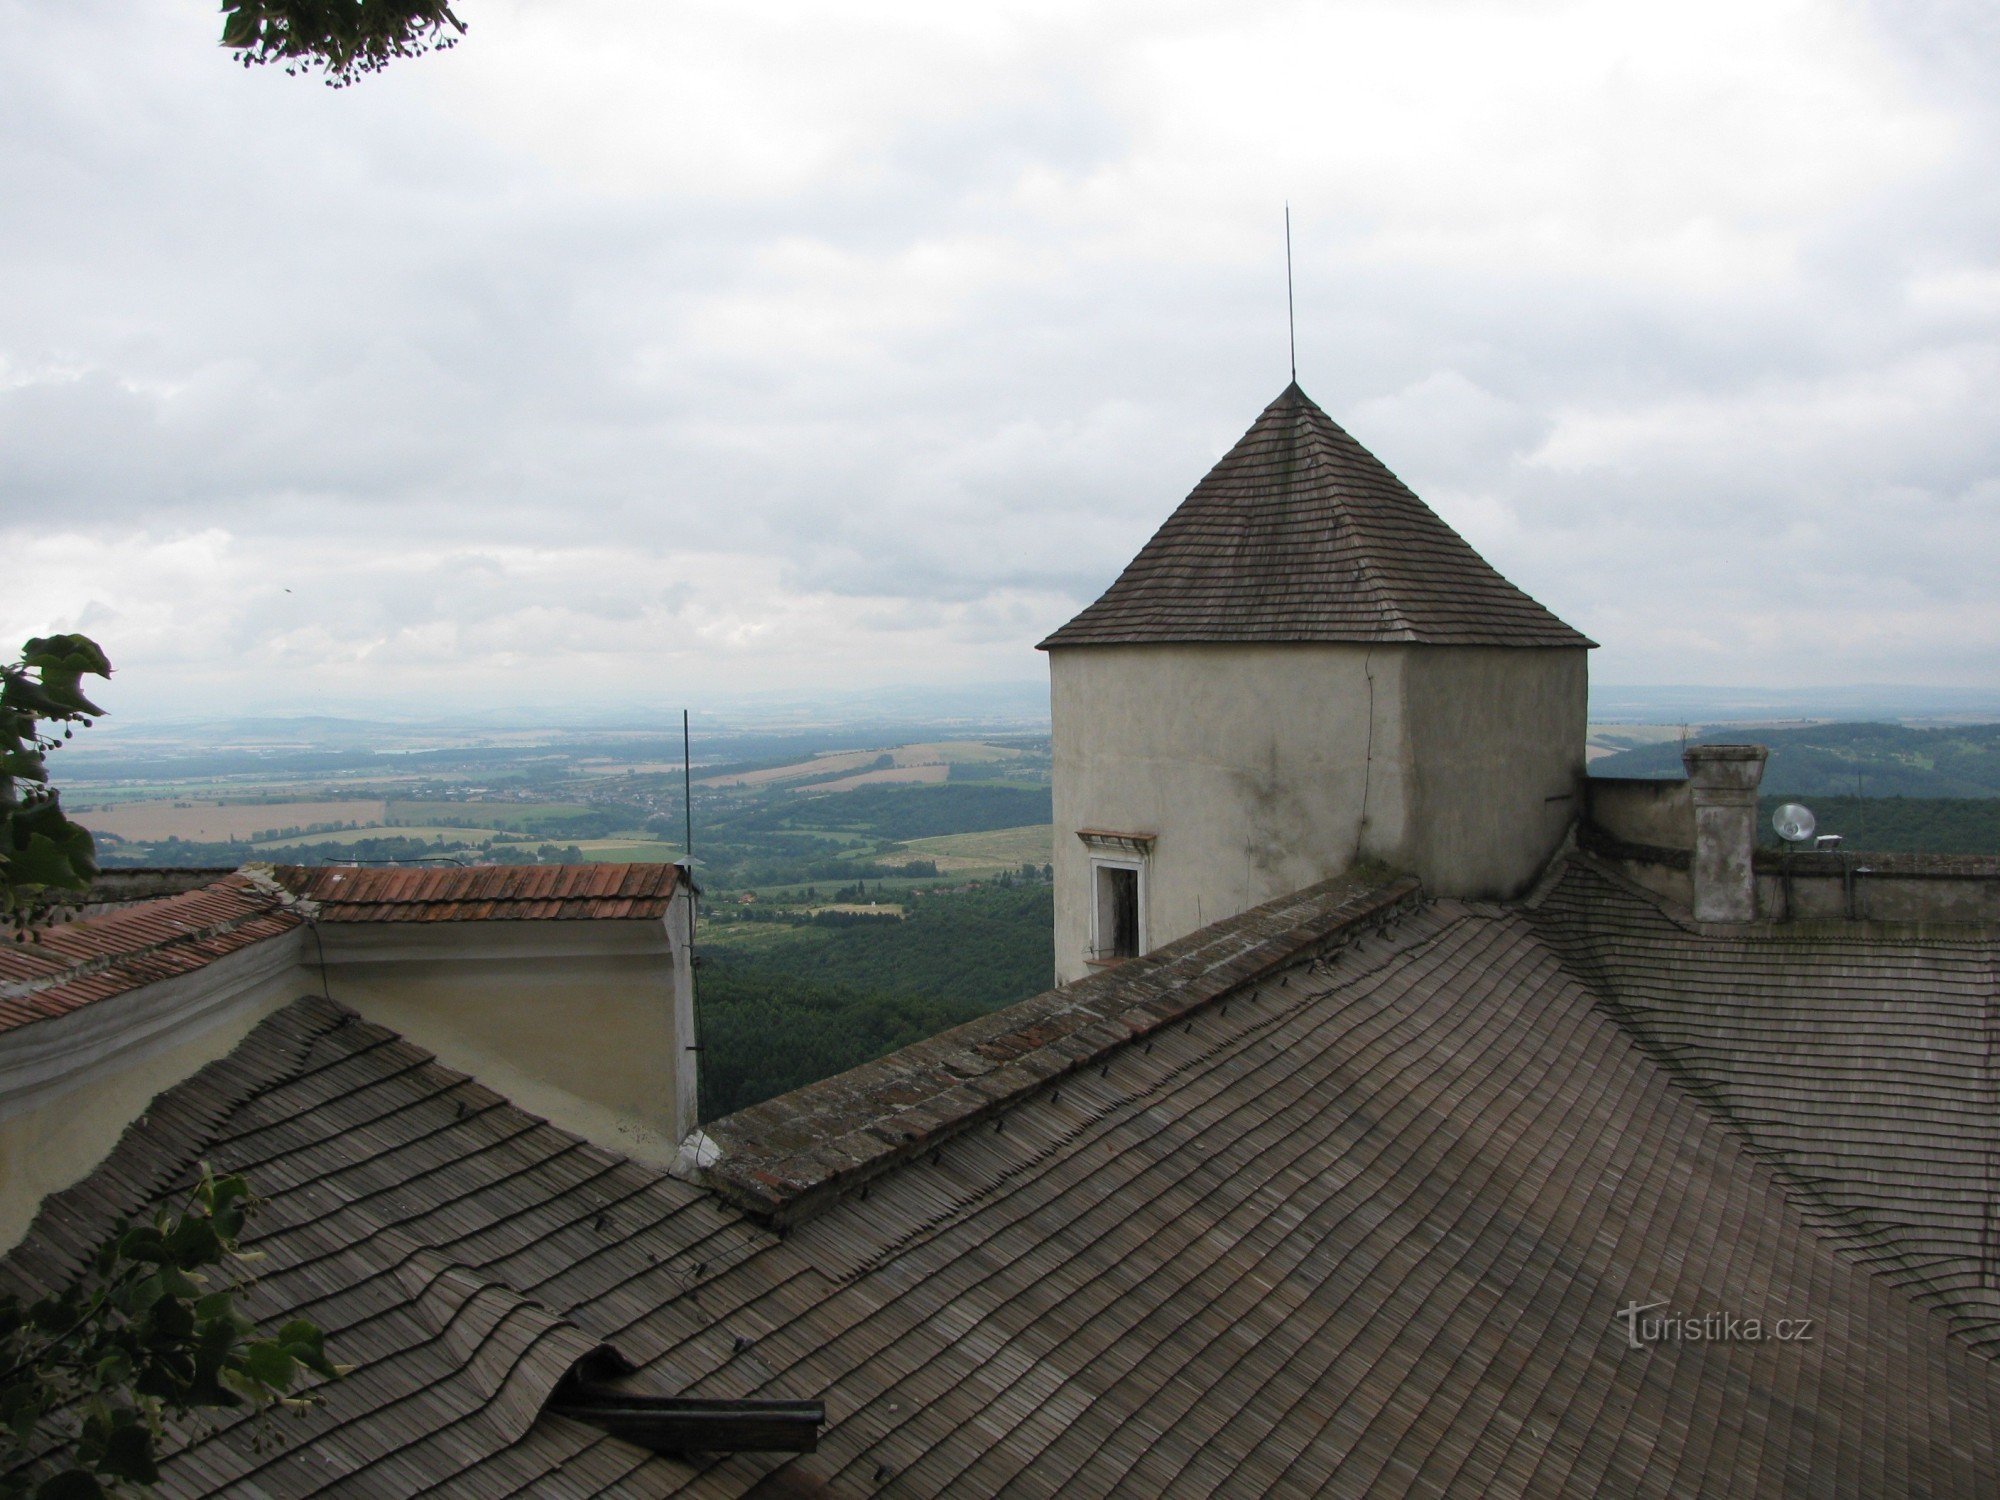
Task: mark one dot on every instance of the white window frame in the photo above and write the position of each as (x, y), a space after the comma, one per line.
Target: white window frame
(1099, 939)
(1116, 851)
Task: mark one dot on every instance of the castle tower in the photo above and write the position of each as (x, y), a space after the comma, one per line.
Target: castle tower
(1304, 667)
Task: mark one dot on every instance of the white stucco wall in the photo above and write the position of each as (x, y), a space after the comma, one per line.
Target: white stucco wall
(1249, 762)
(585, 1023)
(581, 1022)
(1496, 746)
(1261, 769)
(70, 1085)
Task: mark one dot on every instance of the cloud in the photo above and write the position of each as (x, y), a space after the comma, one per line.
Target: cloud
(644, 349)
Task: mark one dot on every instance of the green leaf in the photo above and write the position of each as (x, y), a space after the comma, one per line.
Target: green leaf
(128, 1454)
(144, 1243)
(194, 1242)
(42, 862)
(71, 653)
(269, 1365)
(75, 1485)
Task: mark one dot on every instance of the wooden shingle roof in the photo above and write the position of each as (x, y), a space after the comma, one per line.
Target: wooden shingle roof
(1864, 1064)
(1300, 534)
(1362, 1220)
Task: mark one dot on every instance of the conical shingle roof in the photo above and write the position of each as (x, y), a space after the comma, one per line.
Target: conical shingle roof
(1300, 534)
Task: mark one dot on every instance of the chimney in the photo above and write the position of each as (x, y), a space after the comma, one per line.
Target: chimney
(1722, 783)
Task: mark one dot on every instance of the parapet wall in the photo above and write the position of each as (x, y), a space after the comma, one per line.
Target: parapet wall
(1919, 888)
(1653, 810)
(1644, 829)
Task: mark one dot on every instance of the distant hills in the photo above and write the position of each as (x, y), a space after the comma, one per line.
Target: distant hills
(1848, 760)
(1855, 702)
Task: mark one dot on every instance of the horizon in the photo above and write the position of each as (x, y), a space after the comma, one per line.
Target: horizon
(996, 707)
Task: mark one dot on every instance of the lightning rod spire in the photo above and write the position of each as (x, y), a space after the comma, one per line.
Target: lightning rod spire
(1291, 319)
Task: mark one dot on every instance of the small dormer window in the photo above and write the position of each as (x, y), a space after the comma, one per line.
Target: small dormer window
(1118, 863)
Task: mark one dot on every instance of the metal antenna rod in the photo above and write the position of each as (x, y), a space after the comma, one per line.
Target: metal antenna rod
(694, 964)
(1291, 319)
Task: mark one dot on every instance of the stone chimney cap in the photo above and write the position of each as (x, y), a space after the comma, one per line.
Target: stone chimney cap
(1719, 767)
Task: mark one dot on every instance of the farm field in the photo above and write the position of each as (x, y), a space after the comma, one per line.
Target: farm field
(345, 836)
(996, 848)
(619, 851)
(818, 765)
(939, 755)
(465, 815)
(925, 775)
(216, 821)
(889, 813)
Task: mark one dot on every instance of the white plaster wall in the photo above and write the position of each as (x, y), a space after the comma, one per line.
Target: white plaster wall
(1249, 762)
(1496, 745)
(70, 1085)
(1656, 810)
(573, 1021)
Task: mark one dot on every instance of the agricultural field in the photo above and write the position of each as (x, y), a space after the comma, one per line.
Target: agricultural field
(994, 849)
(792, 824)
(163, 818)
(346, 837)
(924, 775)
(1602, 740)
(542, 818)
(826, 771)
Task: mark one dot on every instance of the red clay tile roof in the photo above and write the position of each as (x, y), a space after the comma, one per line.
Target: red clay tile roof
(97, 957)
(484, 893)
(1300, 534)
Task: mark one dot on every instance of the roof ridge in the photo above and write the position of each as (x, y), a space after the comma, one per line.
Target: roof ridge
(788, 1158)
(856, 1254)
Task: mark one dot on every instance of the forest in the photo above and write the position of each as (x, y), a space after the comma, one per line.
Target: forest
(1861, 760)
(1900, 825)
(817, 999)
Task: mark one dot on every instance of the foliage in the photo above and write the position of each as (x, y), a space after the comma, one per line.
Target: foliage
(989, 947)
(806, 1004)
(766, 1032)
(1899, 825)
(344, 38)
(895, 812)
(41, 851)
(88, 1376)
(1876, 760)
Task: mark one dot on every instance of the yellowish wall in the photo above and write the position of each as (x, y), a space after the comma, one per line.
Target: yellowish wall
(573, 1021)
(583, 1023)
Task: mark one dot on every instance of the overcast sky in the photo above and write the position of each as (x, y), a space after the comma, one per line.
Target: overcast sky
(647, 352)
